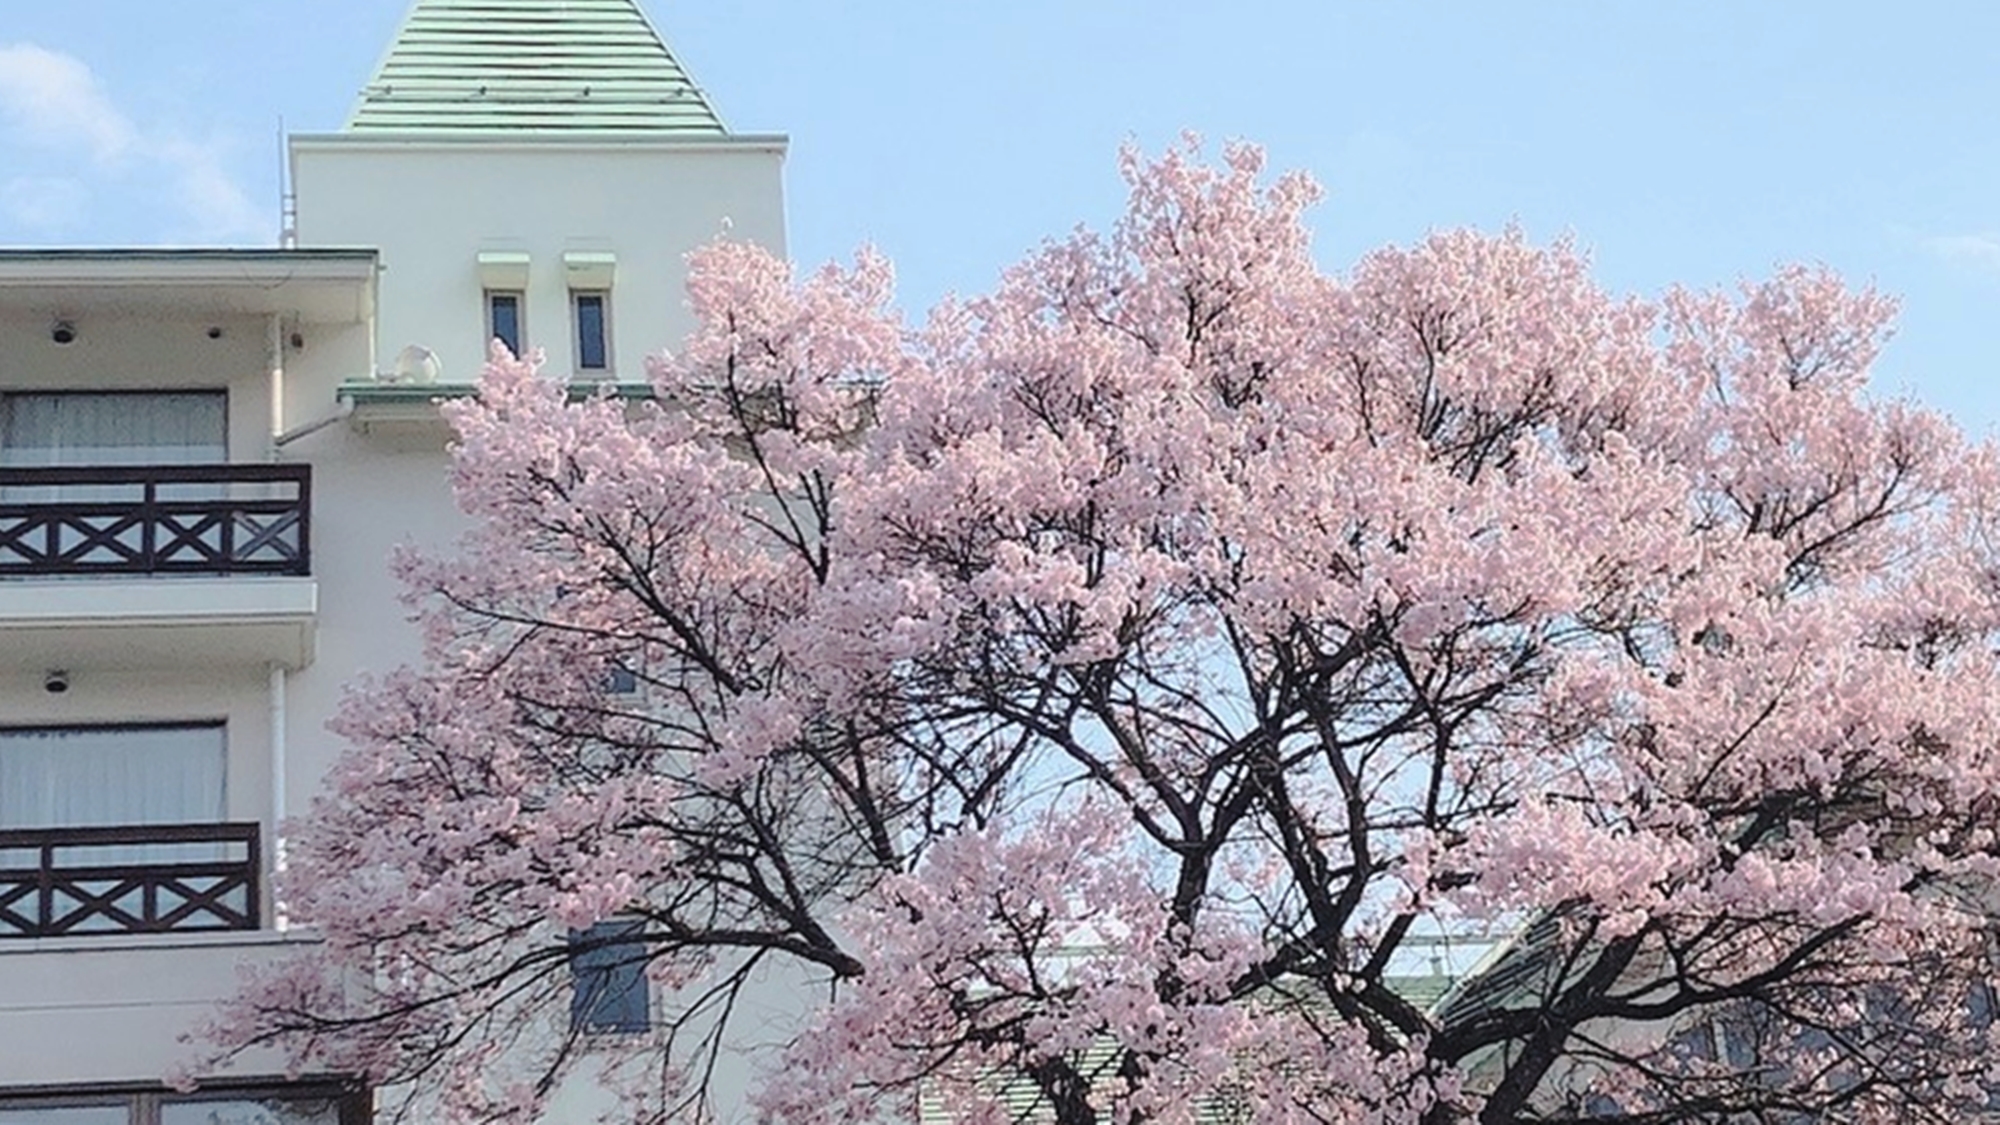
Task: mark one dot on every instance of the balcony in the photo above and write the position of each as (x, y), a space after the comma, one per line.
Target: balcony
(135, 566)
(149, 879)
(155, 520)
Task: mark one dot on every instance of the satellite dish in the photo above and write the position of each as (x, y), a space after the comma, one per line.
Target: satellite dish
(415, 364)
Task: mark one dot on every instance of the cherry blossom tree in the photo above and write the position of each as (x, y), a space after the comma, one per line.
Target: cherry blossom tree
(1093, 692)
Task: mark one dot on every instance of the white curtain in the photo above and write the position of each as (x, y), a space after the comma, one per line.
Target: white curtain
(90, 428)
(120, 1114)
(266, 1111)
(169, 428)
(90, 776)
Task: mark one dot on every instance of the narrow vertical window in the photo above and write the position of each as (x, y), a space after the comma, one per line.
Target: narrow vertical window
(503, 319)
(608, 975)
(593, 352)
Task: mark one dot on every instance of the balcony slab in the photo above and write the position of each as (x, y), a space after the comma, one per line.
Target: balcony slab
(90, 1012)
(139, 623)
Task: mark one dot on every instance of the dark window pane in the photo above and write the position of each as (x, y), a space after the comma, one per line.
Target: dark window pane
(504, 315)
(591, 354)
(620, 680)
(1979, 1006)
(609, 978)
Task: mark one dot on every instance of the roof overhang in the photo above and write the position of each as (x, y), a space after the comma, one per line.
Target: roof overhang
(522, 140)
(411, 409)
(317, 286)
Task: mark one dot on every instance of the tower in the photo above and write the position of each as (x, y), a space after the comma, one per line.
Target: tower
(534, 171)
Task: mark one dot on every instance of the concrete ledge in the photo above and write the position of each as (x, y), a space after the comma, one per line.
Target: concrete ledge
(114, 623)
(411, 409)
(119, 943)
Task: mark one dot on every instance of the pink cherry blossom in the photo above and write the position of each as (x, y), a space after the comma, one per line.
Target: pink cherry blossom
(1096, 690)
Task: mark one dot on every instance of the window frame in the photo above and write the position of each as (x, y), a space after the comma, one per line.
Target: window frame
(603, 299)
(353, 1101)
(626, 677)
(588, 1007)
(519, 345)
(222, 394)
(218, 725)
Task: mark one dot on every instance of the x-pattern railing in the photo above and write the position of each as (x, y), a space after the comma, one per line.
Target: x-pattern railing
(128, 879)
(155, 519)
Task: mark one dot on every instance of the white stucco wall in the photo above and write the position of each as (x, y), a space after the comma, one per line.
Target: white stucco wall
(110, 1009)
(80, 1012)
(115, 350)
(432, 207)
(92, 1011)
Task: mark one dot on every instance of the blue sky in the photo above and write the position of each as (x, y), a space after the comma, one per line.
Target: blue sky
(1699, 143)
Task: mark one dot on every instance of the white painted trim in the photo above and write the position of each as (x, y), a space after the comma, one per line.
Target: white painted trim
(110, 943)
(247, 272)
(504, 270)
(519, 141)
(30, 604)
(589, 269)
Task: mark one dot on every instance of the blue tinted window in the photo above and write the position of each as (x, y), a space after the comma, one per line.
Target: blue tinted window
(620, 679)
(608, 972)
(503, 315)
(591, 353)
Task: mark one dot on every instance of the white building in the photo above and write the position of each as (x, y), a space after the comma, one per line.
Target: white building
(202, 472)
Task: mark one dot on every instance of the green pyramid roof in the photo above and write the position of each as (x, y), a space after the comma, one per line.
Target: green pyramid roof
(511, 66)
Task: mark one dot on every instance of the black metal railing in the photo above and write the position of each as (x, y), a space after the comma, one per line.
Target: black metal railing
(155, 519)
(141, 879)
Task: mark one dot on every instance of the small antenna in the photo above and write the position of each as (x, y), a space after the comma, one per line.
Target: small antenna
(288, 200)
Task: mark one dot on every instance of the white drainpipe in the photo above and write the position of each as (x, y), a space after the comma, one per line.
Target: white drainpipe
(275, 343)
(278, 919)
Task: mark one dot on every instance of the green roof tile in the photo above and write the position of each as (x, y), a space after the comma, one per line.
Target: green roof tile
(509, 66)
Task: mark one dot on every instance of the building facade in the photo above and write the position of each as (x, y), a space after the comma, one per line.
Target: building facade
(206, 458)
